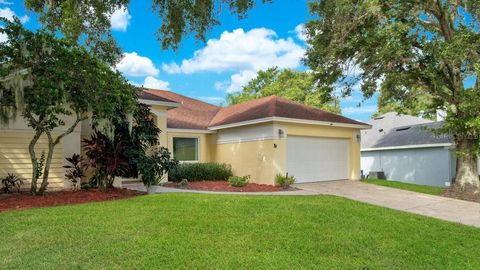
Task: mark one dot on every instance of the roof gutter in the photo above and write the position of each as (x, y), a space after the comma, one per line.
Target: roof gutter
(431, 145)
(160, 103)
(291, 120)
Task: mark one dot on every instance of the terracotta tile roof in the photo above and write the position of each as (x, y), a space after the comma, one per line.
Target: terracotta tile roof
(191, 114)
(278, 107)
(196, 114)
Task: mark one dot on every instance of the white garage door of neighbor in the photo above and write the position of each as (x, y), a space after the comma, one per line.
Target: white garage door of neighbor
(312, 159)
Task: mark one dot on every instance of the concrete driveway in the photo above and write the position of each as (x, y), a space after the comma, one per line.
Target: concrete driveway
(464, 212)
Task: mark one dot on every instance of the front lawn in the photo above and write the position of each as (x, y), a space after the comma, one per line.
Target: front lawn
(199, 231)
(412, 187)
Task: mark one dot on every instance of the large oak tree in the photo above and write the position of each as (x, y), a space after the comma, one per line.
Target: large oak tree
(400, 46)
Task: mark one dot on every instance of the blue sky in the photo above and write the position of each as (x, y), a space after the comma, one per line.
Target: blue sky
(235, 50)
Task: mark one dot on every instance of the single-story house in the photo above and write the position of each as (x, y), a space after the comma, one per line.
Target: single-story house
(405, 149)
(260, 138)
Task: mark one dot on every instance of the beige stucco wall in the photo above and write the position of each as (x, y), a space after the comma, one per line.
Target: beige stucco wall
(160, 114)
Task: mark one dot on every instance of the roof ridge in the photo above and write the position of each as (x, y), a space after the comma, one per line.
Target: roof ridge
(180, 95)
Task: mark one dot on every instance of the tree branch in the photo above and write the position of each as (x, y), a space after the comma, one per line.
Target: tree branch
(70, 129)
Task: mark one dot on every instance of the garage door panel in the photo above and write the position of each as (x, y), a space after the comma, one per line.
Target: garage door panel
(312, 159)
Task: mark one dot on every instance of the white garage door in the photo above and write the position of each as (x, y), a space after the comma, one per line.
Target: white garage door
(312, 159)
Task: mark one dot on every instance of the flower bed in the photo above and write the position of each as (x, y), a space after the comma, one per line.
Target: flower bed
(25, 200)
(224, 186)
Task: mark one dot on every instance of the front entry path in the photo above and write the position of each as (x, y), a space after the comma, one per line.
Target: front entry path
(464, 212)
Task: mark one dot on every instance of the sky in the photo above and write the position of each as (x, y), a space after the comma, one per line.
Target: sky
(235, 50)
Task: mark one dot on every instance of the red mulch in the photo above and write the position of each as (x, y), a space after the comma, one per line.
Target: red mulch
(224, 186)
(24, 200)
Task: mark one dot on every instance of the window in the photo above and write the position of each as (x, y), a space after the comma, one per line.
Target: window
(185, 149)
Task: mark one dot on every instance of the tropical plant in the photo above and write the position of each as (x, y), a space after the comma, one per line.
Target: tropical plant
(284, 180)
(156, 162)
(238, 181)
(427, 48)
(75, 170)
(106, 158)
(11, 182)
(298, 86)
(54, 86)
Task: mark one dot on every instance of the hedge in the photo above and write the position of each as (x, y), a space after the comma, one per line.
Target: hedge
(200, 171)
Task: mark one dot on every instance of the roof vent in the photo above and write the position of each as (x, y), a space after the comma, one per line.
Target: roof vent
(403, 128)
(378, 118)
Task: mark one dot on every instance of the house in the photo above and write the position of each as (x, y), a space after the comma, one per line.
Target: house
(260, 138)
(405, 149)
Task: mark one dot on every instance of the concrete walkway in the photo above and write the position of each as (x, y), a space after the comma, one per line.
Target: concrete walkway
(448, 209)
(464, 212)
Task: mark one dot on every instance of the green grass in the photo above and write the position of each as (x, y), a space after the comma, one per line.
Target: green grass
(406, 186)
(199, 231)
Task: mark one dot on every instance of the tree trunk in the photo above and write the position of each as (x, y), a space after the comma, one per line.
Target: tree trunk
(467, 171)
(33, 158)
(48, 161)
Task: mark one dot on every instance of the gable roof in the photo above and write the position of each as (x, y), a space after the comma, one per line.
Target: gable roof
(148, 96)
(382, 124)
(274, 106)
(196, 114)
(420, 134)
(191, 114)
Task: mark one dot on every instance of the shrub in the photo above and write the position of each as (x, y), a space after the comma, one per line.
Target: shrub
(284, 180)
(10, 182)
(154, 164)
(238, 181)
(200, 171)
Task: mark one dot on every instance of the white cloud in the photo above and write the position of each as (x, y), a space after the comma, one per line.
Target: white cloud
(242, 52)
(4, 2)
(239, 50)
(9, 14)
(301, 32)
(238, 80)
(360, 110)
(120, 19)
(133, 64)
(152, 82)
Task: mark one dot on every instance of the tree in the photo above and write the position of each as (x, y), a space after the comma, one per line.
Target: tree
(90, 19)
(427, 46)
(48, 80)
(414, 102)
(294, 85)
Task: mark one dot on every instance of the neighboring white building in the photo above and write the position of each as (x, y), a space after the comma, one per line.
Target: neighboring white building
(406, 150)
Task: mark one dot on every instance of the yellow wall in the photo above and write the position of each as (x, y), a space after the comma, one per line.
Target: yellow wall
(256, 159)
(160, 115)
